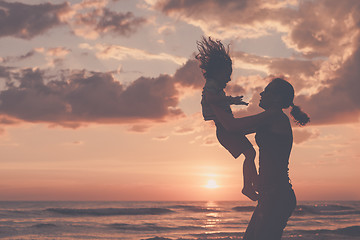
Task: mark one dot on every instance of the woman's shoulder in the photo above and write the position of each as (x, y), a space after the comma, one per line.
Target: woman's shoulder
(278, 122)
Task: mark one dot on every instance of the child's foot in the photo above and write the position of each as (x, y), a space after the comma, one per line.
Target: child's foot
(250, 193)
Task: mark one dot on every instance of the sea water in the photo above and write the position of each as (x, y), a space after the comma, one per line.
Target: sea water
(169, 220)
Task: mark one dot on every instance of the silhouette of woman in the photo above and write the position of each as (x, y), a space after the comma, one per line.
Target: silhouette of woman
(274, 137)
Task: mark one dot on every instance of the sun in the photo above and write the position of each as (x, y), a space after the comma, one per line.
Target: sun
(211, 184)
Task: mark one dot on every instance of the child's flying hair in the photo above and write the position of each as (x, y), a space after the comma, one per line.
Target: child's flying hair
(212, 56)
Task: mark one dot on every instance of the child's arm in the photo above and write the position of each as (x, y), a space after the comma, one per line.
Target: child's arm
(236, 100)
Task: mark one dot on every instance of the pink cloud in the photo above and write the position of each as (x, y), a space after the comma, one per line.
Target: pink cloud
(303, 135)
(103, 20)
(79, 97)
(87, 19)
(339, 101)
(27, 21)
(327, 87)
(139, 128)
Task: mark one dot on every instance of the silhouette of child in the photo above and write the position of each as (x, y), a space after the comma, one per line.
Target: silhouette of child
(217, 68)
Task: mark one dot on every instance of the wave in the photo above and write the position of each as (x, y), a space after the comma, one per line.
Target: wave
(325, 210)
(149, 227)
(244, 208)
(218, 235)
(43, 225)
(192, 208)
(109, 211)
(158, 238)
(353, 231)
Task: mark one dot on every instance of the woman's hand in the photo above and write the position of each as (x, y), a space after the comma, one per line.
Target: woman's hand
(238, 101)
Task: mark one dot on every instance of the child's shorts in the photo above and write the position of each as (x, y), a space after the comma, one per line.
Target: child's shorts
(236, 143)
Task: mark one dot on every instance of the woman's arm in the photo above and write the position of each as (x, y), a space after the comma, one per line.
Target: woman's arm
(245, 125)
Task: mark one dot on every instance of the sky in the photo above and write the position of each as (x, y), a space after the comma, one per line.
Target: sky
(100, 99)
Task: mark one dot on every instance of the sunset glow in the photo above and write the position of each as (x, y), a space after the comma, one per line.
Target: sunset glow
(100, 99)
(211, 184)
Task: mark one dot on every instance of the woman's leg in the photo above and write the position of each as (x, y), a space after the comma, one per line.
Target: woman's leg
(250, 230)
(271, 215)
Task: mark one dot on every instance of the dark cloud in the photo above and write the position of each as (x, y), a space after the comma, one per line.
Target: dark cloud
(81, 97)
(106, 21)
(18, 58)
(7, 121)
(300, 72)
(226, 13)
(27, 21)
(340, 101)
(119, 23)
(336, 102)
(4, 72)
(189, 75)
(235, 90)
(88, 97)
(317, 28)
(324, 27)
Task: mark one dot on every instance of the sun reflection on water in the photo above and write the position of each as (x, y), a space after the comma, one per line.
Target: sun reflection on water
(213, 219)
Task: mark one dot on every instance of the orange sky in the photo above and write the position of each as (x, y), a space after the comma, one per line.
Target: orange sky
(100, 99)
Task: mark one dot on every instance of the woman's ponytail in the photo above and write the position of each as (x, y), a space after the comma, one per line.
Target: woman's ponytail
(299, 116)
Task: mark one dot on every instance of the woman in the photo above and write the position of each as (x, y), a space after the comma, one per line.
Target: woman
(273, 131)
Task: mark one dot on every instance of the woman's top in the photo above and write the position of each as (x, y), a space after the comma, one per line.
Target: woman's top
(212, 86)
(274, 153)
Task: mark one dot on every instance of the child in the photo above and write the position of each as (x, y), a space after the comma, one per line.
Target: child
(217, 68)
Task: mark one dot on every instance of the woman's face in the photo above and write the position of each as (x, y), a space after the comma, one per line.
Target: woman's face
(268, 97)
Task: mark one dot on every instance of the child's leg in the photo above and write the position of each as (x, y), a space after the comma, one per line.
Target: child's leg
(238, 144)
(250, 174)
(230, 141)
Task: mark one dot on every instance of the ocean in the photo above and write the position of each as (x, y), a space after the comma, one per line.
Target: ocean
(169, 220)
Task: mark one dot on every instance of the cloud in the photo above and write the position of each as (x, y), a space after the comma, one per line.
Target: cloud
(88, 97)
(190, 75)
(99, 21)
(27, 21)
(303, 135)
(74, 143)
(7, 120)
(89, 19)
(324, 27)
(245, 18)
(107, 51)
(314, 28)
(80, 97)
(139, 128)
(18, 58)
(304, 73)
(210, 141)
(184, 130)
(5, 72)
(338, 102)
(58, 52)
(161, 138)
